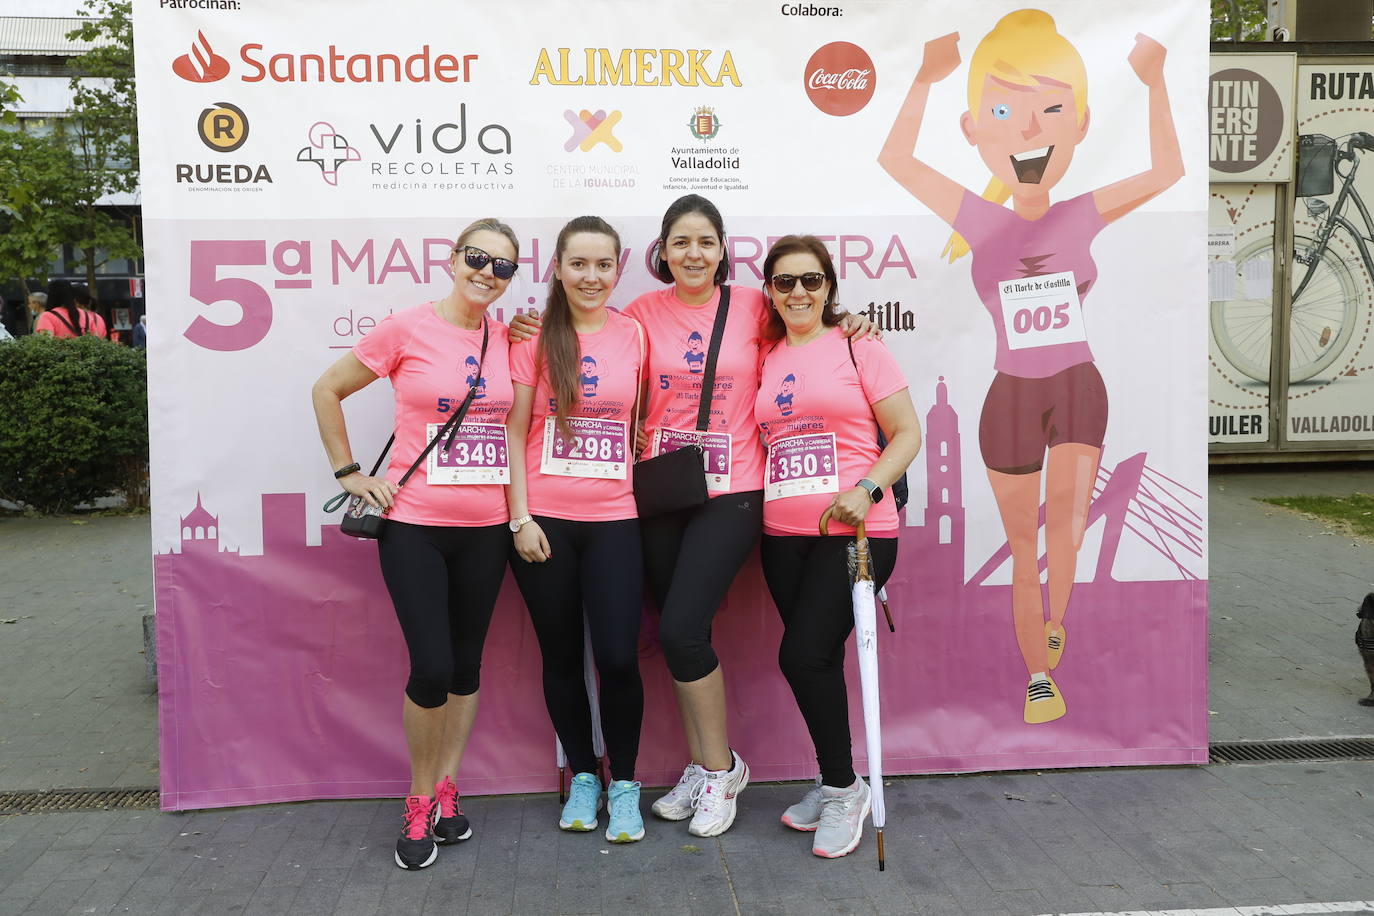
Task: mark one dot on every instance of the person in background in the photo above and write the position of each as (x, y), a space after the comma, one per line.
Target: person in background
(38, 304)
(141, 333)
(68, 313)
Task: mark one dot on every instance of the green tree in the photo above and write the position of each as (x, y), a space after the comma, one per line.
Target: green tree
(1239, 20)
(102, 133)
(35, 189)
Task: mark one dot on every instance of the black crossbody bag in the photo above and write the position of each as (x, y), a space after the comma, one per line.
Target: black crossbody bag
(677, 480)
(363, 520)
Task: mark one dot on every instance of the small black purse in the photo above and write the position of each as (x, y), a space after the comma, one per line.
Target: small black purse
(362, 519)
(677, 480)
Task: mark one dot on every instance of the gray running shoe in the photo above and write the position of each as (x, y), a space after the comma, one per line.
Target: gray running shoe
(679, 804)
(805, 815)
(842, 819)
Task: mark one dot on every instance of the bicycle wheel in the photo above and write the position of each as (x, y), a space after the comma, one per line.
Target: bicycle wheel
(1323, 317)
(1322, 321)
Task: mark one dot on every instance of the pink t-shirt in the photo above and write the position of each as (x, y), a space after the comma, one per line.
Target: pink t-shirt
(431, 364)
(588, 479)
(679, 336)
(815, 412)
(1032, 276)
(86, 321)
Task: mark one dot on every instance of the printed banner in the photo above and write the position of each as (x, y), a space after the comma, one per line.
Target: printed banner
(301, 183)
(1250, 117)
(1240, 281)
(1331, 361)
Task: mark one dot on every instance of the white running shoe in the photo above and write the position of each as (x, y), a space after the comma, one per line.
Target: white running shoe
(805, 815)
(679, 803)
(842, 819)
(716, 798)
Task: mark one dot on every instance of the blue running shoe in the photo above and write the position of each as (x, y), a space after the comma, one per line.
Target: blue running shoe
(625, 823)
(584, 801)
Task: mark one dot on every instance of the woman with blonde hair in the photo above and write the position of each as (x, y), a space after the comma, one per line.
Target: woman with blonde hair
(444, 549)
(1046, 409)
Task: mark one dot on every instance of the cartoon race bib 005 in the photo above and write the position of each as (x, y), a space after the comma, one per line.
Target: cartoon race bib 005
(477, 454)
(597, 448)
(801, 465)
(715, 453)
(1041, 311)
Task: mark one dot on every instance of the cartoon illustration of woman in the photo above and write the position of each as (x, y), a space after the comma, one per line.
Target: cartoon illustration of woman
(785, 392)
(588, 378)
(696, 353)
(1027, 112)
(470, 366)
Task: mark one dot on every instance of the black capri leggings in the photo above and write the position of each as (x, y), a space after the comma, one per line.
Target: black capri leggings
(690, 559)
(809, 580)
(443, 582)
(594, 568)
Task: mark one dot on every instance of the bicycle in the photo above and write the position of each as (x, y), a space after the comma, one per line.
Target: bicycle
(1327, 295)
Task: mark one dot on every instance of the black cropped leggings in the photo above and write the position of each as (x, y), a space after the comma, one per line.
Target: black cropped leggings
(690, 559)
(809, 580)
(594, 569)
(443, 582)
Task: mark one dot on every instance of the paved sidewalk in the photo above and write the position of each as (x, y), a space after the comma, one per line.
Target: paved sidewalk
(1284, 592)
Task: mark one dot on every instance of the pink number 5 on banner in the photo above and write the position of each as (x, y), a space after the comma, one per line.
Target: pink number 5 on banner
(206, 258)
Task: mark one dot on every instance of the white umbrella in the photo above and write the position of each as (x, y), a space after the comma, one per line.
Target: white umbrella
(594, 702)
(866, 641)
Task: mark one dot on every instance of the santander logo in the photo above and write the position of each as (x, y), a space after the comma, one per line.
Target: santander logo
(202, 64)
(840, 78)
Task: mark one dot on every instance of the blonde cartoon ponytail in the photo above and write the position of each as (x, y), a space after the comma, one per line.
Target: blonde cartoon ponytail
(956, 247)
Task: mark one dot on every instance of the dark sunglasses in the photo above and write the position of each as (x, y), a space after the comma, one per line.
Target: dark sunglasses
(810, 282)
(476, 258)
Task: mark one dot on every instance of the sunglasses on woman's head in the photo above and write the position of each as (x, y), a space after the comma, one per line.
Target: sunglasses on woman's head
(810, 282)
(476, 258)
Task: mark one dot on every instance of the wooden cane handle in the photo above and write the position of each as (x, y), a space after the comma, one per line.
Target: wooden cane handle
(825, 525)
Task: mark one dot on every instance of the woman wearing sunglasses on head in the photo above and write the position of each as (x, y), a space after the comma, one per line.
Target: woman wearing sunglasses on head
(819, 397)
(443, 551)
(573, 517)
(691, 556)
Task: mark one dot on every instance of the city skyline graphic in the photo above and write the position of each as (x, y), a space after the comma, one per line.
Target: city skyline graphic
(289, 663)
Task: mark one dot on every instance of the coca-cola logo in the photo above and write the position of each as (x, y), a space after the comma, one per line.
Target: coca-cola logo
(202, 64)
(840, 78)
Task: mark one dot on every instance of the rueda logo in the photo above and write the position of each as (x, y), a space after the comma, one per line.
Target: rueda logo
(328, 149)
(840, 78)
(201, 64)
(591, 128)
(223, 128)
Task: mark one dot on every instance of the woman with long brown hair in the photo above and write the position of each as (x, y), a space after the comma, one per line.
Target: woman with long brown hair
(571, 431)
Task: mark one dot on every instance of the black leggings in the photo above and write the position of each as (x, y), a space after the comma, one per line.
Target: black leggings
(809, 580)
(690, 559)
(443, 582)
(594, 568)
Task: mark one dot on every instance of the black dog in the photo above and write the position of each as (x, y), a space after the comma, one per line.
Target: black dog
(1364, 638)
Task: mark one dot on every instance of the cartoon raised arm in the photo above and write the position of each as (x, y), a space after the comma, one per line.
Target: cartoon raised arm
(941, 194)
(1166, 162)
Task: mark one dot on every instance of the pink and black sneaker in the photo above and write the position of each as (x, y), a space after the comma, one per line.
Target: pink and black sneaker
(417, 849)
(450, 823)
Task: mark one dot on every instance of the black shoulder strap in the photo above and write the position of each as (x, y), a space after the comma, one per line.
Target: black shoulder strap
(708, 377)
(76, 331)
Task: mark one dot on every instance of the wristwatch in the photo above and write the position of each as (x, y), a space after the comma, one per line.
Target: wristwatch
(517, 523)
(875, 492)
